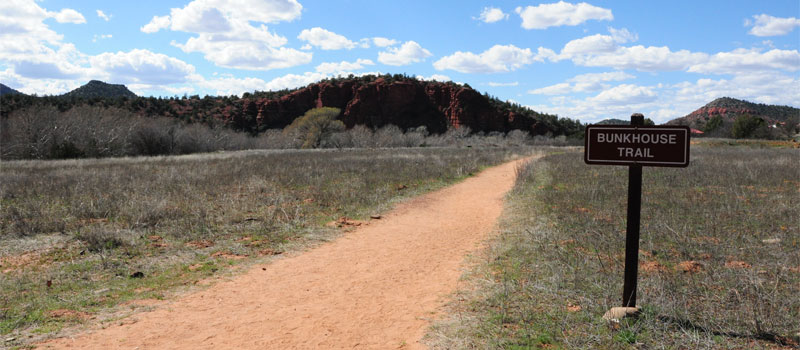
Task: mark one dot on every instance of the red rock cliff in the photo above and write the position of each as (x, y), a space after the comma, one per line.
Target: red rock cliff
(406, 104)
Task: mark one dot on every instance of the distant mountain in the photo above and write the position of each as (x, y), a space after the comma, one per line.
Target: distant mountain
(613, 121)
(96, 88)
(7, 90)
(718, 116)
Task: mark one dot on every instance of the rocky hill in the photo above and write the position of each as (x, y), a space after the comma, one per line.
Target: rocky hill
(730, 108)
(378, 101)
(373, 101)
(7, 90)
(96, 88)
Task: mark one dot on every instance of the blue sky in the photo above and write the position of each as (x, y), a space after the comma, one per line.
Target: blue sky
(583, 60)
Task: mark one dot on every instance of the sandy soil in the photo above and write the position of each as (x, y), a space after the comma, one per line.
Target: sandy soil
(376, 287)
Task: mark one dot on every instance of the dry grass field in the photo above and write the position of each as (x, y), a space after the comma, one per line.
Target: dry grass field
(719, 257)
(80, 239)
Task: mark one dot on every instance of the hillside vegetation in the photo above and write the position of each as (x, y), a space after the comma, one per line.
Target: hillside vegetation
(729, 117)
(373, 101)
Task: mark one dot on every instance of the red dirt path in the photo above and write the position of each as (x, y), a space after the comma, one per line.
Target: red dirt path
(375, 288)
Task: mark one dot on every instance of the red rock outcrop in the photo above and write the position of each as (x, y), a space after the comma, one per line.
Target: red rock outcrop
(405, 103)
(729, 109)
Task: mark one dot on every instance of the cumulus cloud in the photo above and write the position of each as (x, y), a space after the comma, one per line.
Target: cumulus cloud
(383, 42)
(344, 66)
(593, 44)
(766, 25)
(248, 55)
(325, 39)
(31, 49)
(434, 77)
(103, 15)
(228, 85)
(202, 16)
(664, 102)
(557, 89)
(642, 58)
(408, 53)
(499, 58)
(625, 94)
(140, 67)
(226, 36)
(561, 14)
(597, 44)
(156, 24)
(583, 83)
(743, 60)
(491, 15)
(68, 16)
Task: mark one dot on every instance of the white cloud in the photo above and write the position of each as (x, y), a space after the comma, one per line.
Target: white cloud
(495, 84)
(37, 86)
(208, 16)
(291, 81)
(492, 14)
(199, 17)
(499, 58)
(250, 55)
(593, 44)
(229, 85)
(642, 58)
(434, 77)
(68, 16)
(557, 89)
(597, 44)
(561, 14)
(34, 51)
(622, 35)
(344, 66)
(364, 43)
(408, 53)
(626, 94)
(766, 25)
(583, 83)
(156, 24)
(742, 60)
(666, 102)
(226, 36)
(140, 67)
(383, 42)
(325, 39)
(103, 15)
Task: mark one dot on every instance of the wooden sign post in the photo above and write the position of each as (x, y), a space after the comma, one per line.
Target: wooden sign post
(635, 145)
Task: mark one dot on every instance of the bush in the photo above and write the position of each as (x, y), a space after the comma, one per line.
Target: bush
(747, 126)
(712, 124)
(153, 139)
(315, 125)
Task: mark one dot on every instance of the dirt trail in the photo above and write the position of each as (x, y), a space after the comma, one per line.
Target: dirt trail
(374, 288)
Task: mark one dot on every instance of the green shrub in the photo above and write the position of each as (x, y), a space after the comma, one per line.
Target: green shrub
(315, 125)
(747, 126)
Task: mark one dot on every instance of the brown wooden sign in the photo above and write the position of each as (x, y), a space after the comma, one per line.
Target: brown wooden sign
(637, 145)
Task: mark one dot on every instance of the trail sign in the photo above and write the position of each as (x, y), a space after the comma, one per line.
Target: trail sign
(633, 144)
